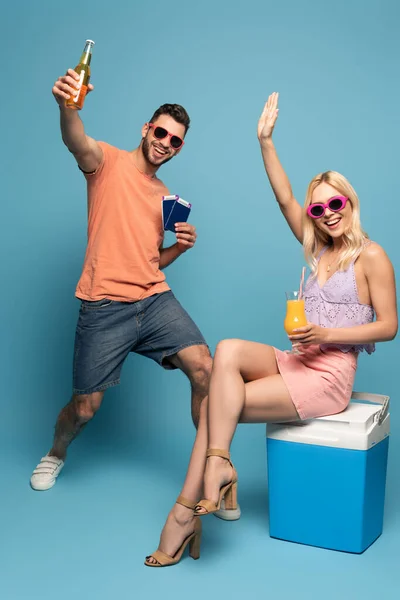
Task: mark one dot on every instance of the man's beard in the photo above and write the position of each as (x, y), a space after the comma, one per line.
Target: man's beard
(146, 154)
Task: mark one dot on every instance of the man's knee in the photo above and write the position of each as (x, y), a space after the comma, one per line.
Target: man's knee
(86, 405)
(200, 372)
(196, 363)
(200, 381)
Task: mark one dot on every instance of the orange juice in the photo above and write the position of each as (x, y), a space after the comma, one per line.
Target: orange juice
(295, 315)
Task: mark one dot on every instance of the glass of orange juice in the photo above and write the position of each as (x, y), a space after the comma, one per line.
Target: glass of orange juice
(295, 314)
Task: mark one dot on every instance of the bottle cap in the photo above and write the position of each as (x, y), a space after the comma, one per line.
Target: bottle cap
(90, 42)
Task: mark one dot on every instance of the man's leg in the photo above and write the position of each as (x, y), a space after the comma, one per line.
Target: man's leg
(105, 334)
(196, 363)
(72, 419)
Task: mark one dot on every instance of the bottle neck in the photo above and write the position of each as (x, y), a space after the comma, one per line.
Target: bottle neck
(86, 55)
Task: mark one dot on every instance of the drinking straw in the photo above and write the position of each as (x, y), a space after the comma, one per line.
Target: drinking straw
(303, 272)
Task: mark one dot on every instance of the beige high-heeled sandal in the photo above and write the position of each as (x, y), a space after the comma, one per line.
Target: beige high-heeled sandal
(227, 491)
(194, 541)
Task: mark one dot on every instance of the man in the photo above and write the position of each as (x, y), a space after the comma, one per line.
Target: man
(126, 304)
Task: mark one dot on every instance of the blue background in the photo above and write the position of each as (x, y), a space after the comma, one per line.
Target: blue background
(336, 68)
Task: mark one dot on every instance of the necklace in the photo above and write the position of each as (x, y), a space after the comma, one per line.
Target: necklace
(328, 268)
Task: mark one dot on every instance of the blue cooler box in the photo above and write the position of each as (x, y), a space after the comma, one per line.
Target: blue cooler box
(327, 476)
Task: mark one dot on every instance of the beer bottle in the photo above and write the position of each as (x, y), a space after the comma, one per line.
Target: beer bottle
(83, 70)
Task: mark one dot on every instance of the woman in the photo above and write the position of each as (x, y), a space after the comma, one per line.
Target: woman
(352, 279)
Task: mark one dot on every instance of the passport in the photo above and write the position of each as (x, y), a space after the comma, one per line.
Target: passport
(174, 210)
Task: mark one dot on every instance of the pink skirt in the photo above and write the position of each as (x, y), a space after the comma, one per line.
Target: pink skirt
(320, 382)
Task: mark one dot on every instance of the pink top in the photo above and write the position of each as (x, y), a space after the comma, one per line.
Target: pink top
(336, 304)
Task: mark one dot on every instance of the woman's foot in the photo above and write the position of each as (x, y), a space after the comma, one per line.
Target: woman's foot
(180, 525)
(219, 472)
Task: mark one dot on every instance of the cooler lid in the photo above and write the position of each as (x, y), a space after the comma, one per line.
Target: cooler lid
(359, 427)
(357, 414)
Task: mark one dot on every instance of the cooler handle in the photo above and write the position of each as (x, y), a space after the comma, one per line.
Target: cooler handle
(375, 399)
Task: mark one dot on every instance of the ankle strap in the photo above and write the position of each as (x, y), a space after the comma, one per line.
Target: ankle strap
(185, 502)
(220, 453)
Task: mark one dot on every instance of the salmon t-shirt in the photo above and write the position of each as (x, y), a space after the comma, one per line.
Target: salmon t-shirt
(125, 231)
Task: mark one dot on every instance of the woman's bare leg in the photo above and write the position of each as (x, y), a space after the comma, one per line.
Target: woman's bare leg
(180, 521)
(245, 386)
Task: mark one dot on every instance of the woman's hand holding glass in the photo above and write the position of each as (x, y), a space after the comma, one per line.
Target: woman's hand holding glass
(309, 334)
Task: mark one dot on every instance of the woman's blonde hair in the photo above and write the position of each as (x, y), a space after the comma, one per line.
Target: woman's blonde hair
(314, 238)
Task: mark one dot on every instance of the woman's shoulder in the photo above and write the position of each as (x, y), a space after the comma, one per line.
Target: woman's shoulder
(372, 254)
(372, 250)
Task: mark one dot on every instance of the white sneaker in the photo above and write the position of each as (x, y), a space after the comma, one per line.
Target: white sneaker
(45, 475)
(228, 515)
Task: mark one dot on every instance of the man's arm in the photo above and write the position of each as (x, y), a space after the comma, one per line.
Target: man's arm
(85, 149)
(168, 255)
(186, 238)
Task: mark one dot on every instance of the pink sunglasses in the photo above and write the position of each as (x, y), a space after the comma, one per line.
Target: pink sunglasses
(335, 204)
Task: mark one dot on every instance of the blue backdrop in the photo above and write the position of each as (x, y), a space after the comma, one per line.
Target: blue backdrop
(336, 68)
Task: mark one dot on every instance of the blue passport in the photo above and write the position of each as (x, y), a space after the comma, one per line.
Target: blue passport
(174, 210)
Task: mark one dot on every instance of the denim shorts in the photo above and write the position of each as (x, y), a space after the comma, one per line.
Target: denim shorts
(107, 331)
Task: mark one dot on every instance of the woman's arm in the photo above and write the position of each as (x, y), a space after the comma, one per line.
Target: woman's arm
(278, 179)
(382, 289)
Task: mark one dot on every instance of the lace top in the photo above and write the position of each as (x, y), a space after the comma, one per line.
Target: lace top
(336, 304)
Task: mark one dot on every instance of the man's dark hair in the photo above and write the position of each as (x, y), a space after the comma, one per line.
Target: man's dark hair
(176, 111)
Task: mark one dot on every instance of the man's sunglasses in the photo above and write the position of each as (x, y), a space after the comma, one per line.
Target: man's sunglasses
(160, 133)
(335, 204)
